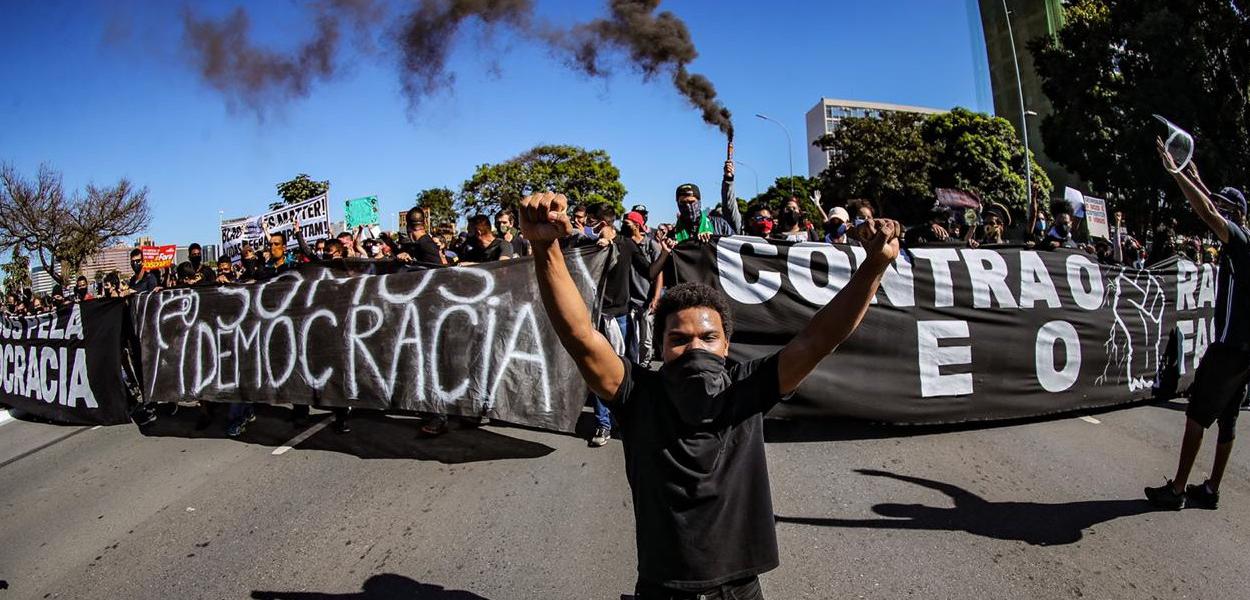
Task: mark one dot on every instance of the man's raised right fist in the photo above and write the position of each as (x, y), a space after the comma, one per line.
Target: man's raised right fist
(544, 217)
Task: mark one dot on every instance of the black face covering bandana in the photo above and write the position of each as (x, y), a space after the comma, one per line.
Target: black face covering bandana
(1062, 231)
(195, 260)
(137, 265)
(689, 211)
(695, 382)
(789, 218)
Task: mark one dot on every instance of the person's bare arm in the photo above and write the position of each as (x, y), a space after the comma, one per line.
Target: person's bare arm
(544, 220)
(837, 320)
(1198, 200)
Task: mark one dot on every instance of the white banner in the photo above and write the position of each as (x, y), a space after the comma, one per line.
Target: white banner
(313, 215)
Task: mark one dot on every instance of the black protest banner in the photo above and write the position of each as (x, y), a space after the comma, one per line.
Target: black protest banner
(960, 334)
(66, 365)
(463, 341)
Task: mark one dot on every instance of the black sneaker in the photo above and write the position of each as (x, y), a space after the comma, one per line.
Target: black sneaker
(342, 427)
(601, 437)
(1201, 496)
(1165, 497)
(143, 415)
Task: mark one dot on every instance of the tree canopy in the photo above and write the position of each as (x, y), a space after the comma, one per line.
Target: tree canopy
(585, 176)
(440, 202)
(300, 189)
(1117, 62)
(899, 159)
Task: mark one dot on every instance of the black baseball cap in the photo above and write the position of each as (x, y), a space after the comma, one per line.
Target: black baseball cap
(642, 208)
(687, 189)
(1233, 197)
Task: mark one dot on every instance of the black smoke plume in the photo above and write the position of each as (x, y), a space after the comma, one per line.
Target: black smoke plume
(229, 61)
(656, 43)
(426, 34)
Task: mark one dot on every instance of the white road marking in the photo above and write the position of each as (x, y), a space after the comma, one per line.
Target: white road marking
(5, 417)
(96, 427)
(283, 449)
(1089, 419)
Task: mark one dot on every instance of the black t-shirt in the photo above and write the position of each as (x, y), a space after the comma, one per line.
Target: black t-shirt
(703, 510)
(475, 252)
(1232, 290)
(143, 282)
(616, 290)
(423, 250)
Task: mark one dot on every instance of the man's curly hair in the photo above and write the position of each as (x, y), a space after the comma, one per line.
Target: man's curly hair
(691, 295)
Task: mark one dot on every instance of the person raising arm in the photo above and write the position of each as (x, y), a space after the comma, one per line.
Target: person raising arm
(694, 451)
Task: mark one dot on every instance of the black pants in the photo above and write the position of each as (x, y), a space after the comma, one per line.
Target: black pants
(742, 589)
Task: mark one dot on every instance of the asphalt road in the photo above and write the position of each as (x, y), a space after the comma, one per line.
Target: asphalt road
(1046, 509)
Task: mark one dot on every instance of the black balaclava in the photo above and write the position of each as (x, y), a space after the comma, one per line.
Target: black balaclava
(694, 382)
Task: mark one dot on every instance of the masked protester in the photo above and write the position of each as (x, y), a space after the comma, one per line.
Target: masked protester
(837, 226)
(1220, 381)
(141, 280)
(505, 228)
(759, 221)
(82, 292)
(790, 223)
(194, 271)
(695, 445)
(1060, 235)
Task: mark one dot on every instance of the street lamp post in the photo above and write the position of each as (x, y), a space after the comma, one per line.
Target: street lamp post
(753, 172)
(1024, 114)
(789, 147)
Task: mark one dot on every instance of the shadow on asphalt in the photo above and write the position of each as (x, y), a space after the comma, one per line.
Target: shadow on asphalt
(374, 435)
(1036, 523)
(387, 586)
(819, 429)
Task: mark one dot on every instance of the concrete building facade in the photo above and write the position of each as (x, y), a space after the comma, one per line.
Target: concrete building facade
(827, 115)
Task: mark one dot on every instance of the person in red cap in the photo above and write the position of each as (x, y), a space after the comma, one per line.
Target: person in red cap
(644, 289)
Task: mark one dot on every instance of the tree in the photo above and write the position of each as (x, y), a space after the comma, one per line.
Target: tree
(979, 153)
(585, 176)
(17, 272)
(299, 189)
(37, 217)
(1117, 62)
(898, 160)
(884, 160)
(440, 202)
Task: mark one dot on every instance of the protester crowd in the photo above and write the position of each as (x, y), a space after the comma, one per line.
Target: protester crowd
(639, 269)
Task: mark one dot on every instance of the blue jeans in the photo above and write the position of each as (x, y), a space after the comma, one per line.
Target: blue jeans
(603, 416)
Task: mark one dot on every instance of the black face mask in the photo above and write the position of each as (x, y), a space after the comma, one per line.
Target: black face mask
(789, 218)
(81, 292)
(694, 383)
(689, 211)
(1062, 230)
(195, 260)
(137, 265)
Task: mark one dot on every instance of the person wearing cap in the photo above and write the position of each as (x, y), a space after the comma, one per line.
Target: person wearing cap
(836, 226)
(641, 209)
(1224, 371)
(694, 222)
(644, 289)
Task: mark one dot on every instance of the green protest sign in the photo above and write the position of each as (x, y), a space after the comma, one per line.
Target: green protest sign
(362, 211)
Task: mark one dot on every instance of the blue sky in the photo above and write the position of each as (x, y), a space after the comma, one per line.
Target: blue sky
(105, 89)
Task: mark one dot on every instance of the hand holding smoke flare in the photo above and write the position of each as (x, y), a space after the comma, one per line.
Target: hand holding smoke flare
(256, 77)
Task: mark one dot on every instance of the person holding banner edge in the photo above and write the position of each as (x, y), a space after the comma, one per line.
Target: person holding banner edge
(1224, 371)
(694, 445)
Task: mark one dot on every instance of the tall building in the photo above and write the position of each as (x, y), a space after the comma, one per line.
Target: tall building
(1029, 20)
(113, 258)
(41, 282)
(825, 117)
